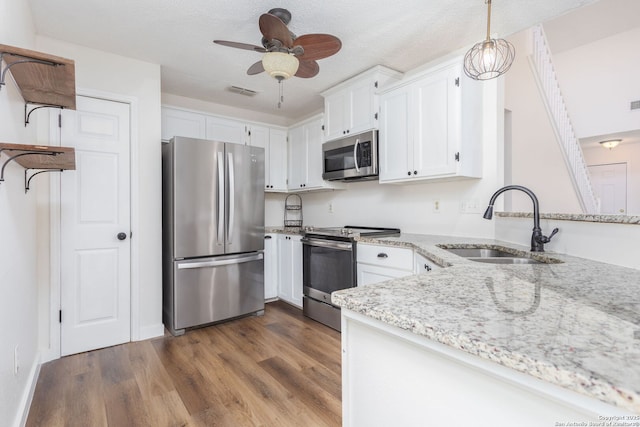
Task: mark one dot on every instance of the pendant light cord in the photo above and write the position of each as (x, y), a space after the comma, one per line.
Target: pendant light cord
(488, 2)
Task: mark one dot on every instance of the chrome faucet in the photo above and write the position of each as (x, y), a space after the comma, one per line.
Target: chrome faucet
(537, 238)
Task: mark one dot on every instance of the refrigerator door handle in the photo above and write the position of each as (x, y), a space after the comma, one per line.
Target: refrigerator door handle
(220, 234)
(219, 262)
(232, 196)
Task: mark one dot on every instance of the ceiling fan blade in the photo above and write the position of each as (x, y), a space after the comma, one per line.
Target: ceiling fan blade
(256, 68)
(238, 45)
(307, 69)
(317, 46)
(272, 27)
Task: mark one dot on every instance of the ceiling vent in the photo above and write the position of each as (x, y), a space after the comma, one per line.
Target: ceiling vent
(635, 105)
(242, 91)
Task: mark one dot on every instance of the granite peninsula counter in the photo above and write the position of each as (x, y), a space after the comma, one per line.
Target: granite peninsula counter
(575, 324)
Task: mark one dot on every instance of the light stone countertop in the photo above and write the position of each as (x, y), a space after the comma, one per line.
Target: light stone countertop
(575, 324)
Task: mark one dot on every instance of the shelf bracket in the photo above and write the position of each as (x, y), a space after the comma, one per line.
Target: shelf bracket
(27, 181)
(25, 59)
(28, 114)
(24, 153)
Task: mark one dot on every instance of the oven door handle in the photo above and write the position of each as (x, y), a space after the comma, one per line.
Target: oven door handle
(327, 244)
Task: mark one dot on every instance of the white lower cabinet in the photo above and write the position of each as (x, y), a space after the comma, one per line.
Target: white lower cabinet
(290, 268)
(392, 377)
(270, 266)
(379, 263)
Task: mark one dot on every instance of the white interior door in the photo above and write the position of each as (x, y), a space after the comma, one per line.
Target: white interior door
(95, 208)
(610, 185)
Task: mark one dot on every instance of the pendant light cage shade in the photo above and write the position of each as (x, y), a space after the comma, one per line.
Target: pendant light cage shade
(489, 59)
(280, 65)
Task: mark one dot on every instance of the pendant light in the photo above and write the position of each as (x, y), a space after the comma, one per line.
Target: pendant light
(491, 57)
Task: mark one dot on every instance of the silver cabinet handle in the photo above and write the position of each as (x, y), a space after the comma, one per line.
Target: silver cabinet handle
(383, 255)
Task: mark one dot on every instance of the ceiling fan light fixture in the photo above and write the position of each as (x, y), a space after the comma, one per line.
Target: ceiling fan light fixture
(610, 143)
(280, 65)
(491, 57)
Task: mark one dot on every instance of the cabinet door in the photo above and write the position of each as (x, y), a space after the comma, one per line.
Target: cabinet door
(395, 145)
(361, 115)
(270, 266)
(314, 154)
(296, 263)
(369, 274)
(225, 130)
(336, 114)
(285, 268)
(424, 264)
(258, 136)
(276, 166)
(297, 158)
(182, 123)
(436, 109)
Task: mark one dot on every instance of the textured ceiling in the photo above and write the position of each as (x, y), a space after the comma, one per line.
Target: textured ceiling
(178, 34)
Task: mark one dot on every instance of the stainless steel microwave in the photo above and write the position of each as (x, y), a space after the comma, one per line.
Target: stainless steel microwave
(351, 158)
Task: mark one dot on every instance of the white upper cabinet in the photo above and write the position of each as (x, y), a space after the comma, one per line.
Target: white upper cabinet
(276, 161)
(431, 127)
(257, 136)
(226, 130)
(305, 158)
(182, 123)
(352, 106)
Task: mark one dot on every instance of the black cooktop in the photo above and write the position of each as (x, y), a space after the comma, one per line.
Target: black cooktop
(352, 231)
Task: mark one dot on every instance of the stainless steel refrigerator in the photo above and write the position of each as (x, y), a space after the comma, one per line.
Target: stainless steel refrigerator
(213, 232)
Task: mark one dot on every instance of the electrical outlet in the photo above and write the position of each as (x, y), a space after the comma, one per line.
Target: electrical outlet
(436, 206)
(16, 361)
(330, 207)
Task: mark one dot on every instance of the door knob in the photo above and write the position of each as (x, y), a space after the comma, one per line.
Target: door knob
(122, 236)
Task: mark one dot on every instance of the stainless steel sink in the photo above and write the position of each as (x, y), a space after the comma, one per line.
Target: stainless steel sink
(500, 260)
(479, 252)
(497, 256)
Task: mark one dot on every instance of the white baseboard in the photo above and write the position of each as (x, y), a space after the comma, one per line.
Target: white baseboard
(151, 331)
(27, 396)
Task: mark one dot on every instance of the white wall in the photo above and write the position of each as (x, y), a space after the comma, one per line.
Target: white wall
(599, 80)
(615, 244)
(536, 161)
(18, 240)
(108, 73)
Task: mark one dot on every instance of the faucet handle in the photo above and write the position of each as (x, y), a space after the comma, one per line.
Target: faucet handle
(545, 239)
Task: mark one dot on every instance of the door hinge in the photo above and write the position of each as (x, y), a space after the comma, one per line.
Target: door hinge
(60, 316)
(457, 157)
(458, 81)
(375, 116)
(59, 120)
(131, 234)
(376, 84)
(322, 127)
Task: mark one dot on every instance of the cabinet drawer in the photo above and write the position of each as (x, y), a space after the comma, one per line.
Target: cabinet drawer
(386, 256)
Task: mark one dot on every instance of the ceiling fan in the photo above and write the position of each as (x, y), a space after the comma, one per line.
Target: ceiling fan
(287, 55)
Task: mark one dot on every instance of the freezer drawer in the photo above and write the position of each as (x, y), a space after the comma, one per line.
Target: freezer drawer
(213, 289)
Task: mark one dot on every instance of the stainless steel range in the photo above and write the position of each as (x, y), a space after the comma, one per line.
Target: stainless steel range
(329, 264)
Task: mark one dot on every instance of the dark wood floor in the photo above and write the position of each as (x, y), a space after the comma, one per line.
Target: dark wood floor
(280, 369)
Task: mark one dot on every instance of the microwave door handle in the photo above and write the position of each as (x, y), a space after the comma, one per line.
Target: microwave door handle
(355, 154)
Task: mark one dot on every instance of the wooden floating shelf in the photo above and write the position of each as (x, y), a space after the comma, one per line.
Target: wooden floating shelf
(42, 156)
(51, 83)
